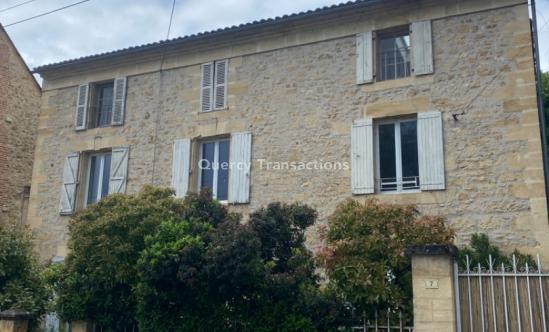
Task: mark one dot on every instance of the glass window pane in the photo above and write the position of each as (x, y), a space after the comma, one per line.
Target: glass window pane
(223, 172)
(106, 175)
(387, 157)
(104, 104)
(93, 182)
(206, 165)
(410, 166)
(393, 56)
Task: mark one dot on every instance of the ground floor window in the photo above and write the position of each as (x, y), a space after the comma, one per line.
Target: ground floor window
(214, 167)
(99, 169)
(397, 155)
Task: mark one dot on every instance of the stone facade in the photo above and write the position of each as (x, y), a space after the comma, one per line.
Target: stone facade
(296, 91)
(19, 108)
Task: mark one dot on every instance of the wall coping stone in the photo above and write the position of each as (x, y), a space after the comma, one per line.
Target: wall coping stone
(432, 250)
(15, 314)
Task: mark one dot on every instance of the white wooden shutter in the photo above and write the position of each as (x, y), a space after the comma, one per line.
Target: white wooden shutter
(362, 157)
(422, 48)
(81, 111)
(206, 87)
(119, 170)
(220, 93)
(70, 181)
(181, 166)
(364, 58)
(430, 150)
(119, 101)
(239, 174)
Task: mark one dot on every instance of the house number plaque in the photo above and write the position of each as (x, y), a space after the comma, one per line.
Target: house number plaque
(431, 283)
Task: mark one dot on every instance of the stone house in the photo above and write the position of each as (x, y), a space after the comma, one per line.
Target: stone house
(19, 107)
(424, 102)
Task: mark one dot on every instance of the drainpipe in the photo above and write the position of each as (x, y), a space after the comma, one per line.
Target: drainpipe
(541, 113)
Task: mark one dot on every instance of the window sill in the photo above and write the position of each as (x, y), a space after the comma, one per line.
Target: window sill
(397, 83)
(214, 110)
(415, 191)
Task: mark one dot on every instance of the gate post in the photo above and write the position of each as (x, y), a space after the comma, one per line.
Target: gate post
(14, 320)
(433, 287)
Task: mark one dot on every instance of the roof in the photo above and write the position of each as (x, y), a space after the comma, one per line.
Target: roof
(279, 20)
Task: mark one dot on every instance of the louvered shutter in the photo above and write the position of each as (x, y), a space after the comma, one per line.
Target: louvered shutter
(180, 166)
(70, 181)
(422, 48)
(430, 150)
(206, 87)
(220, 93)
(364, 58)
(239, 174)
(362, 157)
(119, 170)
(81, 111)
(119, 101)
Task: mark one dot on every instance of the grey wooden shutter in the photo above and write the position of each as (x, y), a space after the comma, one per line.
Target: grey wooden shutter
(430, 150)
(180, 166)
(364, 58)
(119, 170)
(81, 111)
(422, 48)
(206, 87)
(70, 181)
(220, 93)
(239, 174)
(119, 101)
(362, 157)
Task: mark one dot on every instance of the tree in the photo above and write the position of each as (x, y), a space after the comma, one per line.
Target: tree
(365, 255)
(22, 284)
(545, 100)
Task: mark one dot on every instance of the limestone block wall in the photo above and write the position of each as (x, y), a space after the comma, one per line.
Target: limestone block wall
(19, 108)
(299, 103)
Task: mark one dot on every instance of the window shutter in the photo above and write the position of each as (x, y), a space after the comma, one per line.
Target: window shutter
(430, 150)
(70, 180)
(181, 166)
(239, 175)
(422, 48)
(220, 95)
(119, 101)
(206, 87)
(119, 170)
(362, 157)
(81, 112)
(364, 58)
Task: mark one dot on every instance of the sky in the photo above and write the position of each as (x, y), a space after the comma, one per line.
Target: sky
(104, 25)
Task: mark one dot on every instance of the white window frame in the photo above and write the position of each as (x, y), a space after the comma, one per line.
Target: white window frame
(398, 156)
(215, 162)
(88, 171)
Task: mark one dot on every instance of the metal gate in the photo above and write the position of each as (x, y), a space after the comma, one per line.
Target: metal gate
(502, 298)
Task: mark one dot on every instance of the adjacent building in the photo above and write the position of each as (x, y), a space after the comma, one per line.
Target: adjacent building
(411, 102)
(20, 97)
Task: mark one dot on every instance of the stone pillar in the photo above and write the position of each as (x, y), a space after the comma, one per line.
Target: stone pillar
(433, 287)
(14, 320)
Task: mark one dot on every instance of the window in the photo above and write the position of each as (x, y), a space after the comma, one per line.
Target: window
(393, 55)
(214, 168)
(101, 108)
(397, 155)
(99, 169)
(213, 94)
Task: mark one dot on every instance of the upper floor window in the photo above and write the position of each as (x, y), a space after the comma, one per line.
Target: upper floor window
(214, 168)
(397, 155)
(393, 55)
(100, 104)
(101, 109)
(213, 86)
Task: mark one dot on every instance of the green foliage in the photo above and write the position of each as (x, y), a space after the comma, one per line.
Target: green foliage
(480, 249)
(365, 255)
(22, 284)
(106, 241)
(545, 96)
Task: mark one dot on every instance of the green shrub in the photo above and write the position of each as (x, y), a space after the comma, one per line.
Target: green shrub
(365, 255)
(22, 284)
(480, 249)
